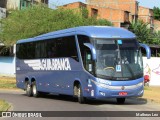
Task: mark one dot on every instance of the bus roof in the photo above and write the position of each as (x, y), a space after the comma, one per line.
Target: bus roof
(91, 31)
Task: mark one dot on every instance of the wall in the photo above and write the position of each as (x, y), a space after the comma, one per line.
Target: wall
(7, 66)
(146, 15)
(2, 12)
(116, 16)
(157, 25)
(13, 4)
(152, 68)
(125, 5)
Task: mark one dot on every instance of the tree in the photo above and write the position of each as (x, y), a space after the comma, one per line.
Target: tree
(144, 33)
(104, 22)
(156, 38)
(40, 19)
(156, 12)
(141, 30)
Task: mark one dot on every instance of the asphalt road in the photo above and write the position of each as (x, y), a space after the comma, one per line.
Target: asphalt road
(20, 102)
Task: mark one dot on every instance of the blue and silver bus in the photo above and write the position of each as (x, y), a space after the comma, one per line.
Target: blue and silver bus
(87, 62)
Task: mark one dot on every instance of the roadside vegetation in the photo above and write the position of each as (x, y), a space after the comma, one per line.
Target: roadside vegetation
(4, 106)
(7, 83)
(144, 33)
(152, 94)
(156, 11)
(40, 19)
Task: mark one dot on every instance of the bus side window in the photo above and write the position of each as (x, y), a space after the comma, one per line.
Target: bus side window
(52, 49)
(72, 49)
(41, 49)
(85, 53)
(66, 47)
(52, 52)
(21, 51)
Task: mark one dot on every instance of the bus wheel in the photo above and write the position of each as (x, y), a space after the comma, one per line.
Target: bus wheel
(121, 100)
(81, 99)
(28, 89)
(34, 90)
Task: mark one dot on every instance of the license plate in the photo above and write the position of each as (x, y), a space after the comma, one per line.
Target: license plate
(123, 93)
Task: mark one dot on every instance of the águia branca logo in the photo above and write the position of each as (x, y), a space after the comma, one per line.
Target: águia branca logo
(49, 64)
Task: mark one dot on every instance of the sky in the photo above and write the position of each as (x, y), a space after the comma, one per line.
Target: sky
(144, 3)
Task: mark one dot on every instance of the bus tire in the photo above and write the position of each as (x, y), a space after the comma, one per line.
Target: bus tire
(121, 100)
(34, 90)
(28, 89)
(81, 99)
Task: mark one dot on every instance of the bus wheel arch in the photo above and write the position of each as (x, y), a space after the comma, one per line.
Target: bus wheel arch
(28, 87)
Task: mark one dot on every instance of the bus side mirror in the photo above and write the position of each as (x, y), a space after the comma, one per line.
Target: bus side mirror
(148, 50)
(93, 51)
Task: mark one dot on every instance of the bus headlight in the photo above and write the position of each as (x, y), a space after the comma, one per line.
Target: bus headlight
(139, 84)
(100, 84)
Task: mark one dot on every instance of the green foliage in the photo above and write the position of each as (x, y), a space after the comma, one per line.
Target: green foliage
(84, 12)
(141, 30)
(4, 106)
(144, 33)
(40, 19)
(156, 12)
(104, 22)
(156, 38)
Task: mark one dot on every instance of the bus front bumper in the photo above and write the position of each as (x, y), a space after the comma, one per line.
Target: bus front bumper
(102, 91)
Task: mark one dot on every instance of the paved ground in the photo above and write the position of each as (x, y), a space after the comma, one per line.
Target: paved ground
(20, 102)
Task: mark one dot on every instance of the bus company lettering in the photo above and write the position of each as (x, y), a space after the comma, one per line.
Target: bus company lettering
(49, 64)
(55, 64)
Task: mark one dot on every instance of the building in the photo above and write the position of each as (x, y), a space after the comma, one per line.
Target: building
(120, 12)
(157, 25)
(119, 18)
(136, 12)
(19, 4)
(130, 6)
(27, 3)
(146, 15)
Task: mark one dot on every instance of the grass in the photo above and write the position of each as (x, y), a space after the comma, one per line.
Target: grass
(152, 93)
(4, 106)
(7, 83)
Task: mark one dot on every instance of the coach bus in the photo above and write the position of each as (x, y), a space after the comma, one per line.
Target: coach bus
(86, 62)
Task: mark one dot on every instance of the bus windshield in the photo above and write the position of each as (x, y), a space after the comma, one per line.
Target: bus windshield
(118, 59)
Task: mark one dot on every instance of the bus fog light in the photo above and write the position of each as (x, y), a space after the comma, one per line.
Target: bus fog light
(102, 93)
